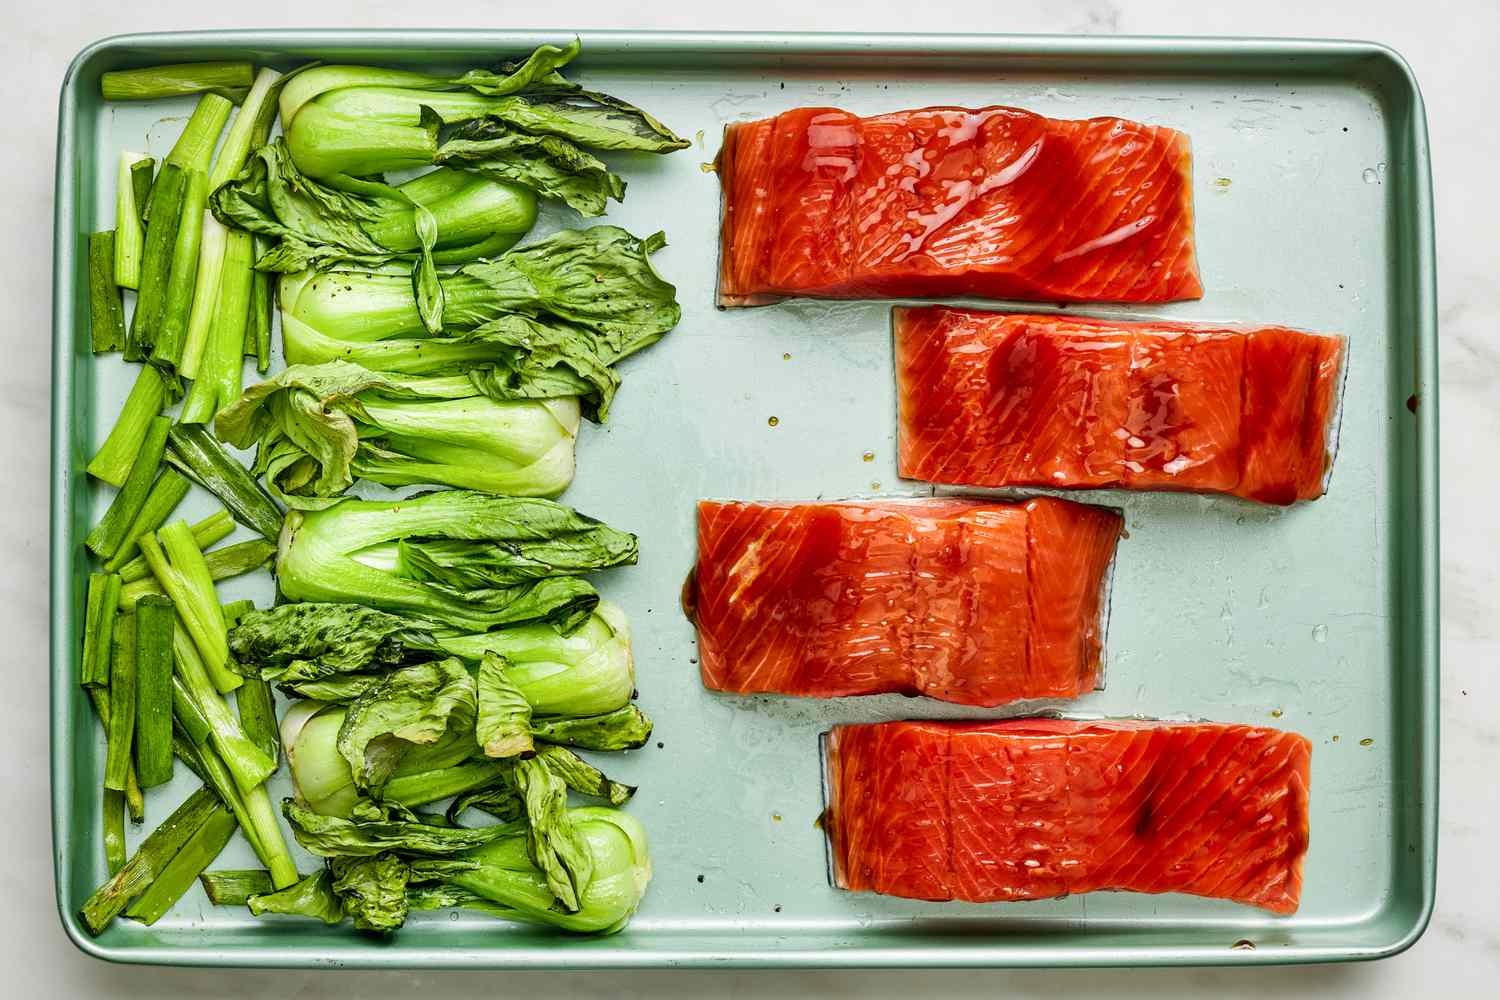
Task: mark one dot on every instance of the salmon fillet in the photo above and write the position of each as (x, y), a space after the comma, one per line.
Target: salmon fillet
(1038, 808)
(969, 601)
(1000, 399)
(996, 203)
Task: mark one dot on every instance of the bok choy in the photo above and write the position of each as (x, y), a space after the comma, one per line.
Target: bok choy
(318, 427)
(464, 559)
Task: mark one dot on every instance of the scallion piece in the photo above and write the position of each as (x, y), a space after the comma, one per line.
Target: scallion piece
(152, 83)
(149, 860)
(112, 530)
(117, 454)
(106, 307)
(166, 493)
(171, 332)
(209, 531)
(206, 843)
(178, 565)
(155, 624)
(120, 731)
(223, 563)
(194, 451)
(99, 629)
(114, 830)
(130, 206)
(231, 887)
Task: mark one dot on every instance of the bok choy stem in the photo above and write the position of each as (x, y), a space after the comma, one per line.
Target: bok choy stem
(176, 80)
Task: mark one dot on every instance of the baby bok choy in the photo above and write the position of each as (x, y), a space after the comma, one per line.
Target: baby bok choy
(549, 319)
(384, 862)
(336, 652)
(318, 427)
(462, 559)
(345, 122)
(452, 215)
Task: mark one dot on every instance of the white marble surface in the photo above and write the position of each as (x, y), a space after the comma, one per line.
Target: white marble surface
(1450, 43)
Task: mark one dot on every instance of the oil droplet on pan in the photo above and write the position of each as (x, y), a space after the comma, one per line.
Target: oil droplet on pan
(1222, 183)
(786, 357)
(1367, 742)
(1320, 633)
(776, 817)
(1275, 713)
(1335, 737)
(1243, 944)
(875, 485)
(773, 421)
(869, 456)
(1370, 176)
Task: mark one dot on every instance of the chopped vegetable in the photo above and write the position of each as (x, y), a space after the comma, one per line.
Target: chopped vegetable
(625, 728)
(223, 563)
(193, 450)
(152, 82)
(166, 493)
(235, 887)
(130, 207)
(149, 860)
(182, 274)
(553, 167)
(98, 630)
(317, 427)
(209, 531)
(110, 534)
(117, 454)
(120, 730)
(106, 307)
(246, 762)
(179, 874)
(463, 558)
(155, 624)
(179, 567)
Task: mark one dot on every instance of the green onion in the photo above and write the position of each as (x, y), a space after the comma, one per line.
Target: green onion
(419, 789)
(205, 294)
(171, 333)
(187, 714)
(182, 871)
(155, 624)
(231, 887)
(115, 457)
(106, 307)
(114, 830)
(243, 133)
(99, 629)
(209, 531)
(258, 325)
(218, 380)
(194, 451)
(110, 533)
(130, 203)
(156, 260)
(134, 800)
(243, 758)
(178, 566)
(155, 82)
(229, 561)
(166, 493)
(142, 176)
(149, 860)
(120, 731)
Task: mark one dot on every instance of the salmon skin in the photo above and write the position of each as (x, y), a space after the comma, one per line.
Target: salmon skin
(969, 601)
(994, 203)
(1038, 808)
(996, 399)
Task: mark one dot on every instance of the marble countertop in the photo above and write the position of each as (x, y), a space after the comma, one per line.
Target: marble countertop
(1450, 45)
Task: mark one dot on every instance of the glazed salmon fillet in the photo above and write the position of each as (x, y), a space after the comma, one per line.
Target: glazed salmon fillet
(1038, 808)
(995, 203)
(969, 601)
(1000, 399)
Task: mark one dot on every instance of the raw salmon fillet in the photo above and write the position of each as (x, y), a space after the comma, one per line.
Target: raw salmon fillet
(969, 601)
(996, 203)
(1037, 808)
(998, 399)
